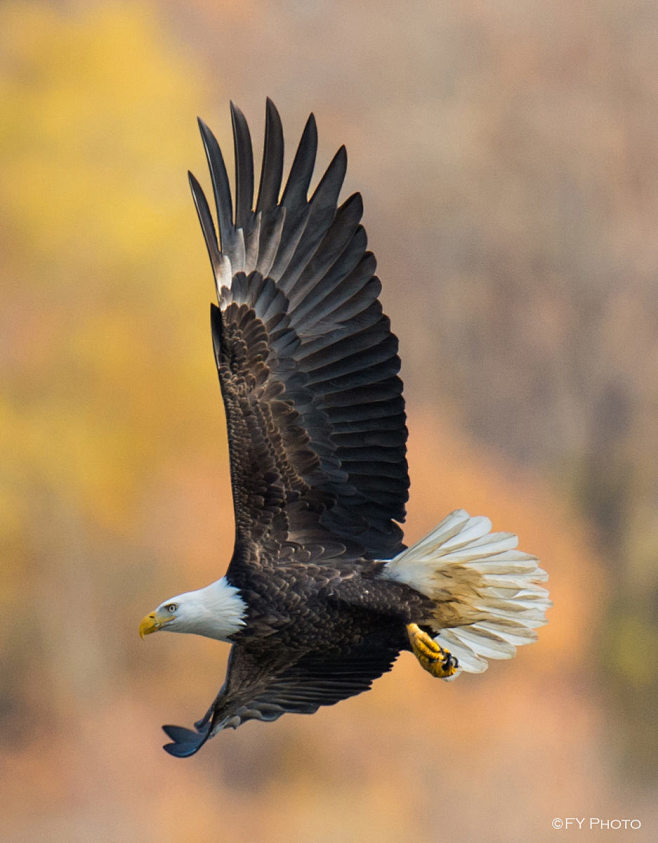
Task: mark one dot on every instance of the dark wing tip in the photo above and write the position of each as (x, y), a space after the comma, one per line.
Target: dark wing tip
(221, 188)
(205, 219)
(244, 167)
(341, 157)
(310, 132)
(299, 177)
(272, 163)
(236, 112)
(203, 127)
(185, 741)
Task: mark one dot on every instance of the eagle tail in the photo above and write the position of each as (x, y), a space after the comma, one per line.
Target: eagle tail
(486, 594)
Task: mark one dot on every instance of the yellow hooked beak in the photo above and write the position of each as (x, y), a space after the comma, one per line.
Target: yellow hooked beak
(149, 624)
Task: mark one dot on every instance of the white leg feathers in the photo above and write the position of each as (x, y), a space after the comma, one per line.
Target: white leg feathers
(487, 598)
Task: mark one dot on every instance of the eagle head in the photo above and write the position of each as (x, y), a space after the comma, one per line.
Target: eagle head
(216, 611)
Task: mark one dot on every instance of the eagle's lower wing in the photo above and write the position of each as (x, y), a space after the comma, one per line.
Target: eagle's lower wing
(307, 363)
(251, 692)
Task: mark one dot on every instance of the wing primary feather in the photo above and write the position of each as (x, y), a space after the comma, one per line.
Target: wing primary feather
(321, 285)
(270, 239)
(222, 192)
(293, 231)
(296, 189)
(272, 167)
(326, 193)
(207, 224)
(322, 209)
(244, 168)
(339, 238)
(252, 243)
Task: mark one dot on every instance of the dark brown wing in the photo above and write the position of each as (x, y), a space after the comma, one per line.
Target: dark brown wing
(307, 363)
(254, 691)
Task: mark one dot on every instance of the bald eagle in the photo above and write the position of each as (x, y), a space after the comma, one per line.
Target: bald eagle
(321, 595)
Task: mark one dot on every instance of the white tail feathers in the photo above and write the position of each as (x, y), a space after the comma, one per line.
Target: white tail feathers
(486, 593)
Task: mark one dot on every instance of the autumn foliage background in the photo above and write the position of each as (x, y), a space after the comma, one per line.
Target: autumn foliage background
(507, 154)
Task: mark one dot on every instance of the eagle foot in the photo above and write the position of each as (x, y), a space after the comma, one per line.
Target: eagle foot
(432, 657)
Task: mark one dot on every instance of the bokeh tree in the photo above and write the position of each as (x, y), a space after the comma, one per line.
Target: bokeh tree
(99, 320)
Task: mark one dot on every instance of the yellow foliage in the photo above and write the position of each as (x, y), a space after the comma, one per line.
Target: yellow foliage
(101, 245)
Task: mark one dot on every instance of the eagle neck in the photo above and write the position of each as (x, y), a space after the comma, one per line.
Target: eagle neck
(220, 609)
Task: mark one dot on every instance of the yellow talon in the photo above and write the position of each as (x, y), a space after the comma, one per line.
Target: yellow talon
(432, 657)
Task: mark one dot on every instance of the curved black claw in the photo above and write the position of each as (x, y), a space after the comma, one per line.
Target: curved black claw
(185, 741)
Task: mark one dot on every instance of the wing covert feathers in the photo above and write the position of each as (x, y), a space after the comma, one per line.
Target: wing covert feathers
(307, 362)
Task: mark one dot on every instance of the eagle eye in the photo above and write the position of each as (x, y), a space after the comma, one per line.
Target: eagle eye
(171, 607)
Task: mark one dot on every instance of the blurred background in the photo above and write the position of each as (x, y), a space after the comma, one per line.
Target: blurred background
(507, 154)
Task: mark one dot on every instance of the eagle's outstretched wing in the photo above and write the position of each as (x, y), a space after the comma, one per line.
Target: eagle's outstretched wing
(257, 690)
(307, 363)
